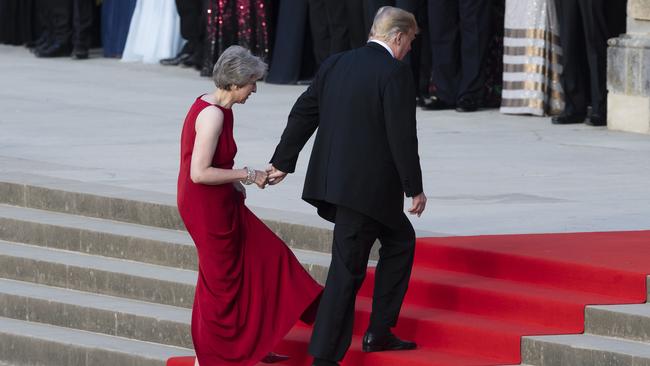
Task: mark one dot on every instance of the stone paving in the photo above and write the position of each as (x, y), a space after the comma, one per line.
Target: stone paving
(109, 122)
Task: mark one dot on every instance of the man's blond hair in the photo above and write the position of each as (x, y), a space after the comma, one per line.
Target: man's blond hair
(389, 21)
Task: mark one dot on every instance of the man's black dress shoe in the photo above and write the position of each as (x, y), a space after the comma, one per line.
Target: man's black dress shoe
(39, 42)
(174, 61)
(466, 105)
(568, 119)
(436, 104)
(388, 342)
(596, 120)
(273, 357)
(56, 49)
(322, 362)
(79, 53)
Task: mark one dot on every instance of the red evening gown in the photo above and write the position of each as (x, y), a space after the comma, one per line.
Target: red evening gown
(251, 289)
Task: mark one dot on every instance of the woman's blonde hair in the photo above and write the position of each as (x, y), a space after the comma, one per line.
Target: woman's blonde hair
(237, 66)
(389, 21)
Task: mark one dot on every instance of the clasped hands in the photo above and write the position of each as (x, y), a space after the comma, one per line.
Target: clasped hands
(273, 176)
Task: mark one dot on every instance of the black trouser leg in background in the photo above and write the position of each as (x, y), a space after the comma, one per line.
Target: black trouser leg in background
(574, 78)
(61, 20)
(192, 25)
(319, 30)
(596, 32)
(445, 43)
(337, 23)
(475, 34)
(82, 20)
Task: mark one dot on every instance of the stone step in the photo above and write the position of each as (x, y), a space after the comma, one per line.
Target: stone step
(95, 313)
(116, 239)
(584, 349)
(27, 343)
(298, 230)
(97, 274)
(109, 276)
(630, 322)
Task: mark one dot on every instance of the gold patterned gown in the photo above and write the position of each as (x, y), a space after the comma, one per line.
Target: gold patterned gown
(532, 59)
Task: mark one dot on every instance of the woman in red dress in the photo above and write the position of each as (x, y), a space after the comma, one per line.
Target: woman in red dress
(251, 289)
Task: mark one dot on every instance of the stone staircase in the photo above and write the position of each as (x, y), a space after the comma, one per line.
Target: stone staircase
(614, 336)
(88, 277)
(99, 275)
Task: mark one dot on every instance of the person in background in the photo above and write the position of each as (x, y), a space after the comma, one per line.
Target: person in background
(154, 32)
(246, 23)
(583, 35)
(70, 23)
(116, 18)
(532, 59)
(459, 32)
(192, 17)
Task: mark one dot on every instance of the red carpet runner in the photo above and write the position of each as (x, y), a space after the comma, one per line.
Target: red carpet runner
(471, 299)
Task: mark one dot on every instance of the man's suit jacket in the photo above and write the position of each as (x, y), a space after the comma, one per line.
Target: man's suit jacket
(365, 155)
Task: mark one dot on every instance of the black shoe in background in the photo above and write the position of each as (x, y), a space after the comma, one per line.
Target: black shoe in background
(568, 119)
(435, 104)
(80, 53)
(596, 120)
(39, 42)
(466, 104)
(55, 49)
(175, 61)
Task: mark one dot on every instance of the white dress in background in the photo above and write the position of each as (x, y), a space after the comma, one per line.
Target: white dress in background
(532, 58)
(154, 32)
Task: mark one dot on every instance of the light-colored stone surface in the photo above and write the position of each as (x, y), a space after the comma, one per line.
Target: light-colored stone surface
(639, 9)
(628, 113)
(103, 121)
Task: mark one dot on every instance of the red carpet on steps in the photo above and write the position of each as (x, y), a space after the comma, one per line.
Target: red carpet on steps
(472, 298)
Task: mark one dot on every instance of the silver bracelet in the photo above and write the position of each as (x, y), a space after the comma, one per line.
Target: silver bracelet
(250, 177)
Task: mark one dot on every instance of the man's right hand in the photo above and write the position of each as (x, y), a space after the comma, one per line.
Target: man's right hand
(418, 205)
(275, 176)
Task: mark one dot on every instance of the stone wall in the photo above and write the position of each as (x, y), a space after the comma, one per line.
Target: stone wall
(628, 73)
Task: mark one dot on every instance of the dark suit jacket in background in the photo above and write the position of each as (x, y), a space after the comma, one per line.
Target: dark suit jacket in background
(365, 156)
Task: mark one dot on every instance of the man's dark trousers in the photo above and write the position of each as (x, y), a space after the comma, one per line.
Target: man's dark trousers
(583, 35)
(72, 21)
(191, 13)
(459, 33)
(354, 235)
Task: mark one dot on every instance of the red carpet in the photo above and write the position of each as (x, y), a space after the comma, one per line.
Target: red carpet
(471, 299)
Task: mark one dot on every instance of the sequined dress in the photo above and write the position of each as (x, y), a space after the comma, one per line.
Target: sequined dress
(532, 59)
(236, 22)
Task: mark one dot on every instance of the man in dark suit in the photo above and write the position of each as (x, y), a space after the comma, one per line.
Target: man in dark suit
(459, 33)
(70, 28)
(364, 159)
(192, 14)
(583, 35)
